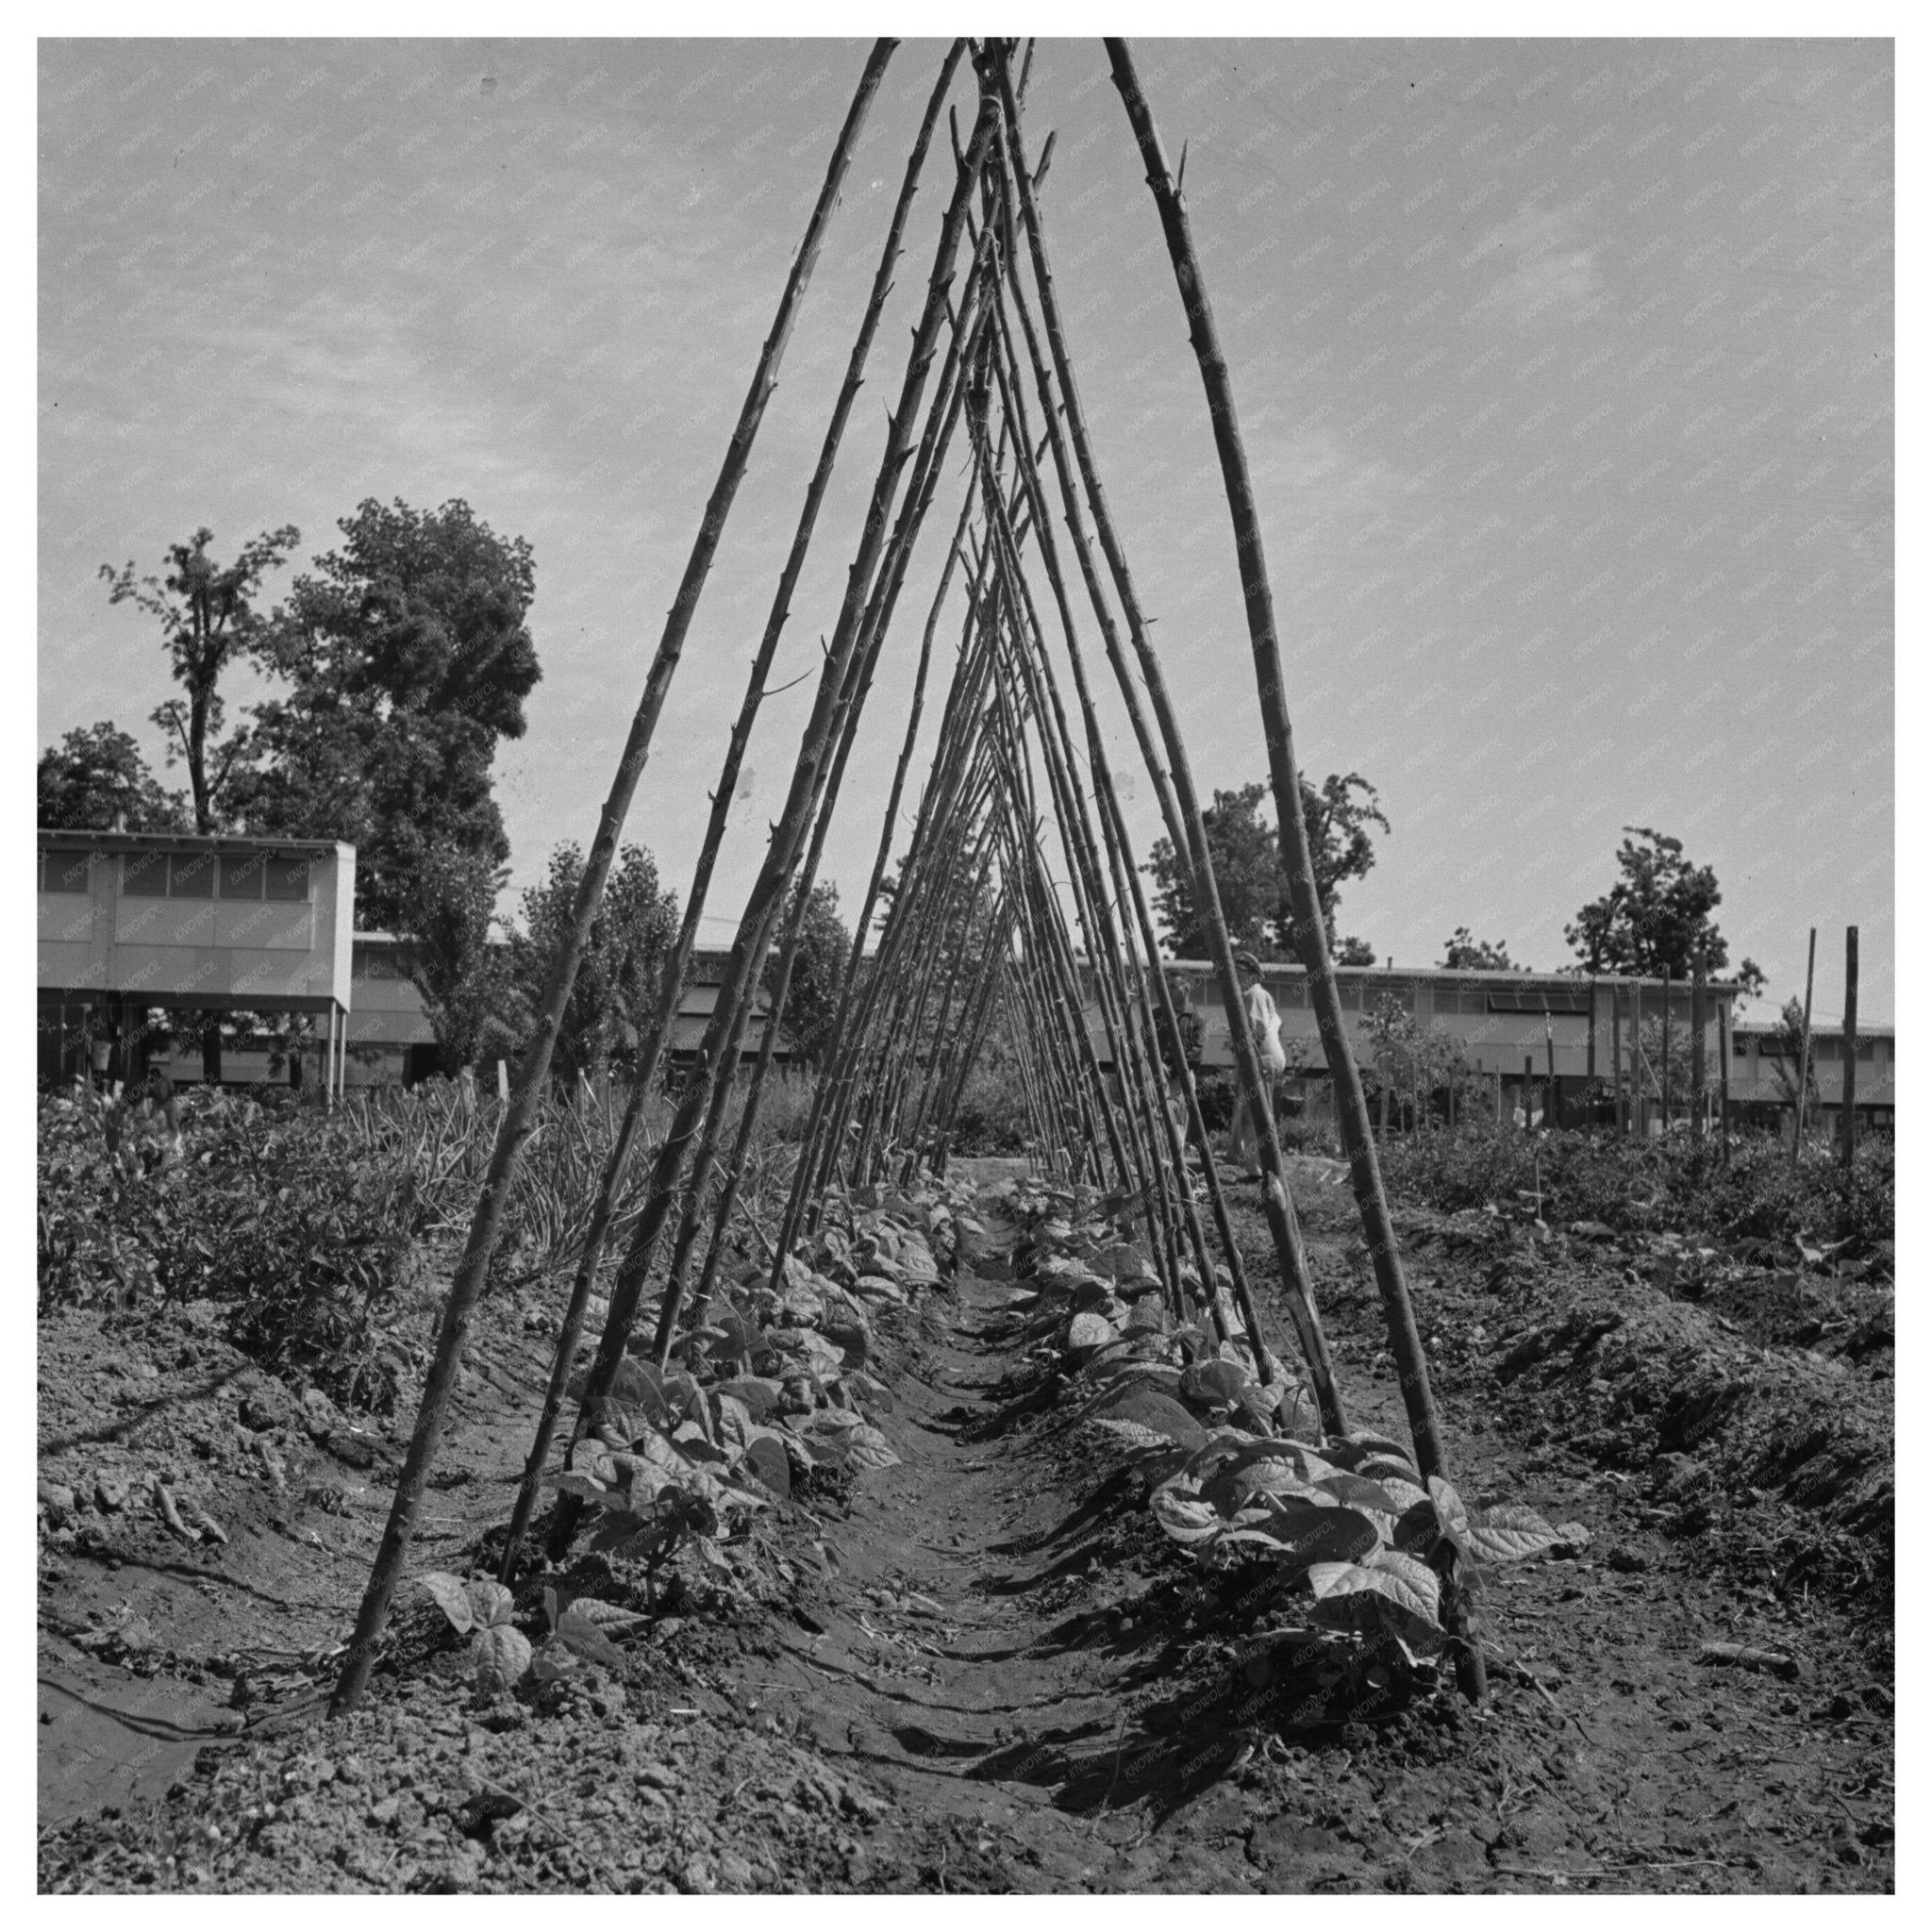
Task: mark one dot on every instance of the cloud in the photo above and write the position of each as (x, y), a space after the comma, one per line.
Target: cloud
(1552, 274)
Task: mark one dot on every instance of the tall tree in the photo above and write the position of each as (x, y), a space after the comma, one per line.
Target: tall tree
(1252, 879)
(818, 973)
(208, 619)
(407, 659)
(615, 995)
(468, 985)
(1463, 950)
(96, 775)
(1657, 918)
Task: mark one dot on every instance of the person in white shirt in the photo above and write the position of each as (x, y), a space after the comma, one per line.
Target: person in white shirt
(1264, 1023)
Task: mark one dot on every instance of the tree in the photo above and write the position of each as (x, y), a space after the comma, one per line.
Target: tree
(1785, 1047)
(1656, 918)
(96, 775)
(818, 973)
(615, 995)
(407, 659)
(474, 1006)
(1251, 878)
(1462, 950)
(208, 619)
(1411, 1061)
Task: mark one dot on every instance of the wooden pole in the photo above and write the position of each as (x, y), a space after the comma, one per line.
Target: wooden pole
(1552, 1112)
(675, 971)
(534, 1073)
(1723, 1080)
(755, 924)
(1697, 1025)
(1065, 423)
(1378, 1223)
(1618, 1124)
(1589, 1062)
(1174, 786)
(1850, 1121)
(1528, 1076)
(1804, 1053)
(1664, 1055)
(1637, 1096)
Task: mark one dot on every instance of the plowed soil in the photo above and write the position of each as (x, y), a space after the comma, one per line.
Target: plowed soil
(989, 1669)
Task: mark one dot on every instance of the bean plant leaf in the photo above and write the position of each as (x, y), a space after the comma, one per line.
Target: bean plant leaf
(576, 1632)
(551, 1661)
(866, 1448)
(452, 1599)
(1406, 1495)
(612, 1618)
(499, 1657)
(765, 1457)
(1452, 1514)
(1415, 1574)
(1417, 1529)
(1388, 1469)
(1508, 1533)
(1214, 1382)
(574, 1482)
(1187, 1519)
(490, 1603)
(1310, 1532)
(1351, 1452)
(1357, 1490)
(1346, 1579)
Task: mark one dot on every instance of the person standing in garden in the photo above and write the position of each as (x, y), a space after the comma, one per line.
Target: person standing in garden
(1264, 1023)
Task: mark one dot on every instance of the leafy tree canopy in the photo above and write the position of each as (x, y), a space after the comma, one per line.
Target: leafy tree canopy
(1463, 949)
(408, 658)
(208, 619)
(817, 973)
(615, 995)
(1657, 918)
(94, 774)
(468, 985)
(1252, 879)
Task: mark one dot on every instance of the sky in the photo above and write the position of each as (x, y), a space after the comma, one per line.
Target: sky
(1565, 371)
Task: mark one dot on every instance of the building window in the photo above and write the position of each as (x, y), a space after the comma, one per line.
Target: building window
(1549, 1000)
(191, 876)
(64, 872)
(241, 876)
(285, 878)
(145, 876)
